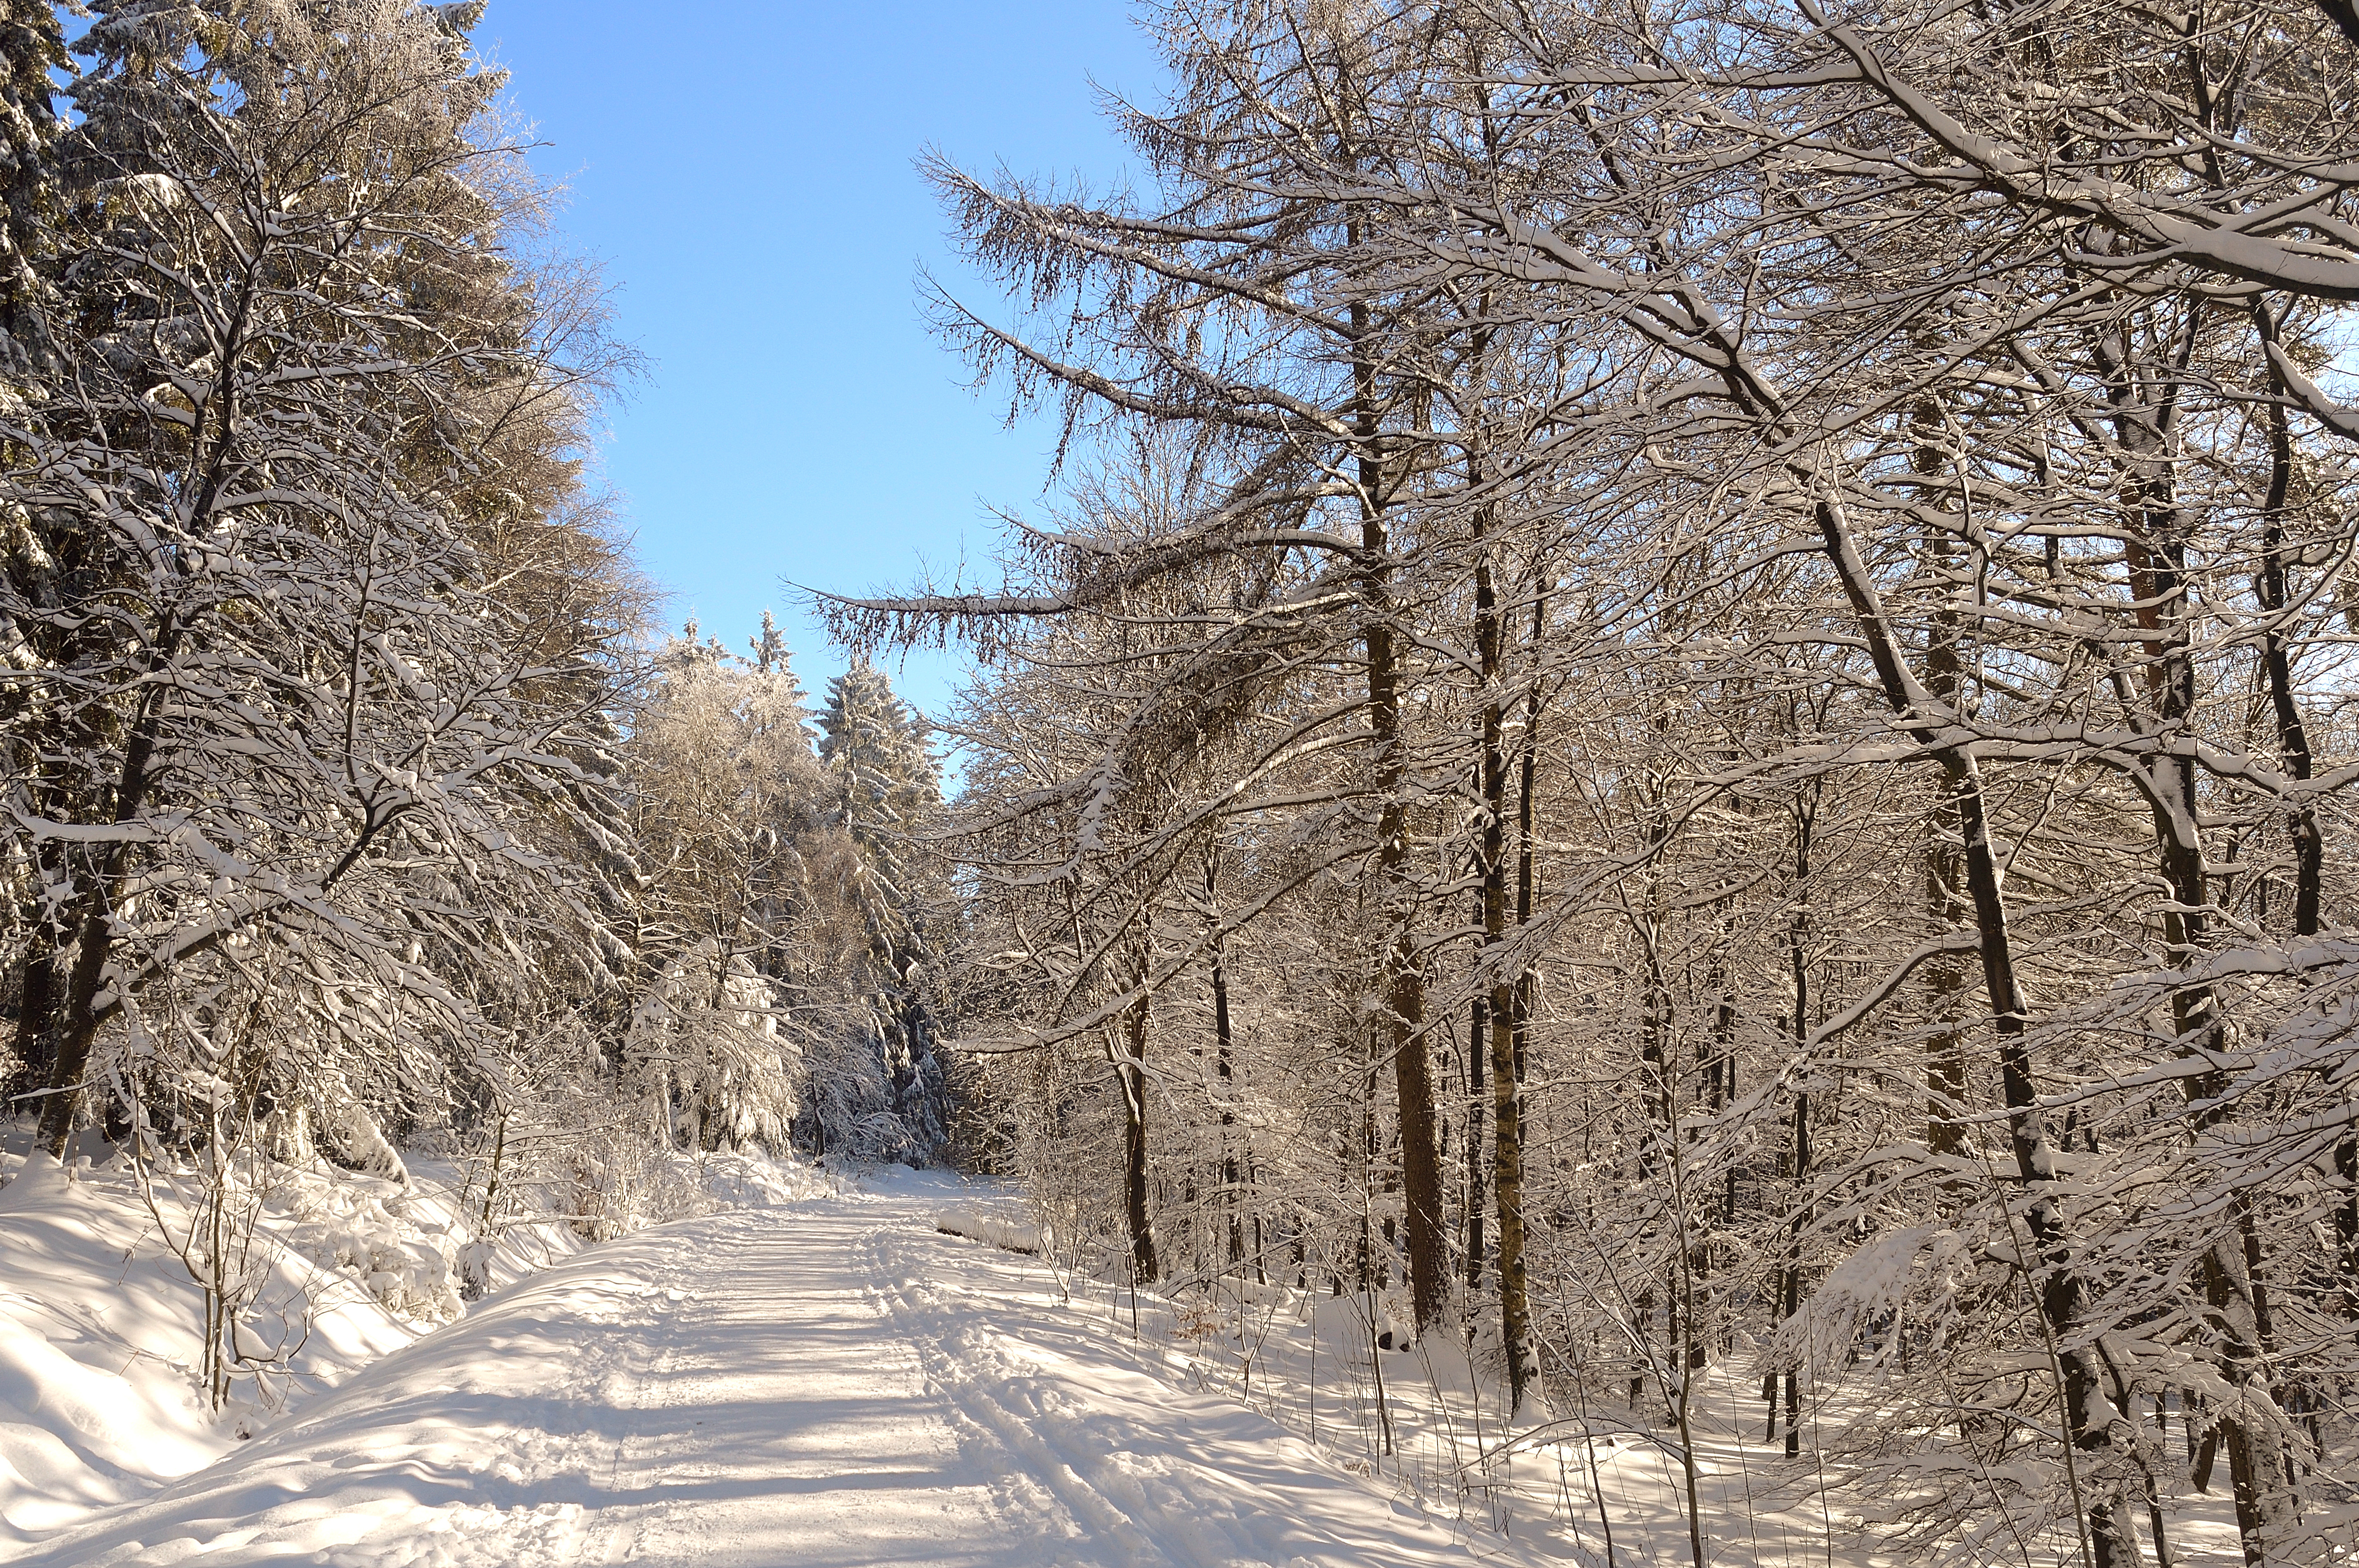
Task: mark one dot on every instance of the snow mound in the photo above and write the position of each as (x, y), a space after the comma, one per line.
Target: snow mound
(993, 1228)
(101, 1339)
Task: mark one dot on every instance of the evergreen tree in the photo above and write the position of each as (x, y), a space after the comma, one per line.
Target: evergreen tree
(296, 218)
(874, 746)
(31, 48)
(888, 787)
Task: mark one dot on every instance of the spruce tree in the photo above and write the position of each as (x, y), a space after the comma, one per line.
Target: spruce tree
(31, 48)
(888, 785)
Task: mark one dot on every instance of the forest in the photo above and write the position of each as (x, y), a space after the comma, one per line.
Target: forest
(1680, 716)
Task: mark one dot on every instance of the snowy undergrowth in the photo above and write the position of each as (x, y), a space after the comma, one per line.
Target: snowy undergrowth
(103, 1397)
(1595, 1478)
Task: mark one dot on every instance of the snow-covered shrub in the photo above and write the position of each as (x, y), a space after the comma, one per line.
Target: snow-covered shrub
(368, 1230)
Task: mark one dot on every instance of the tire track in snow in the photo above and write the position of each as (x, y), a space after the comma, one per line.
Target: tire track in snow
(786, 1422)
(833, 1384)
(1102, 1522)
(1148, 1473)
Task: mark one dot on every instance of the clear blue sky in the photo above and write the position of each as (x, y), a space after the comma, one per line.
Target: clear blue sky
(744, 174)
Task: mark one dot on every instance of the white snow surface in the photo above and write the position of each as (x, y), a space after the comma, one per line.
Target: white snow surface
(833, 1384)
(995, 1225)
(100, 1336)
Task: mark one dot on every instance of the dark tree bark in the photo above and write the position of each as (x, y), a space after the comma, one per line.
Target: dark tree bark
(1130, 1073)
(1401, 985)
(37, 1021)
(1945, 1061)
(94, 927)
(1224, 1045)
(1500, 1009)
(2155, 552)
(2060, 1289)
(2293, 747)
(1478, 1051)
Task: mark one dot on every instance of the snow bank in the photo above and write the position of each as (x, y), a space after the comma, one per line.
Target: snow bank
(995, 1228)
(101, 1337)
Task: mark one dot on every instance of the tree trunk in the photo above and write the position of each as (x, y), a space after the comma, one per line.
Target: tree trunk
(2276, 660)
(96, 943)
(1132, 1076)
(2233, 1286)
(1945, 1061)
(1499, 1009)
(1401, 986)
(2293, 747)
(1224, 1054)
(2061, 1290)
(1478, 1051)
(37, 1021)
(2156, 555)
(1793, 1281)
(1797, 939)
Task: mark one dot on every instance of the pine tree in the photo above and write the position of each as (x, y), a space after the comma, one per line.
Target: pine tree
(31, 48)
(887, 786)
(874, 746)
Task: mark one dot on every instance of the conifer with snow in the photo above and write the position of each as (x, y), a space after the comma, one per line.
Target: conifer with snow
(886, 787)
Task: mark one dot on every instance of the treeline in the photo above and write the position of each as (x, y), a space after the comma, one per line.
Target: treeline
(1698, 712)
(348, 807)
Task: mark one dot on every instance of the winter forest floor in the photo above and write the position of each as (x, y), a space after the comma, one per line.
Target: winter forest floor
(833, 1381)
(832, 1384)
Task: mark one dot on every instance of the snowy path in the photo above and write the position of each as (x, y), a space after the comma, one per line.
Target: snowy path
(834, 1385)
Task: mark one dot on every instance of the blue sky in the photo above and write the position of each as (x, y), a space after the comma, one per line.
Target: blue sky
(745, 175)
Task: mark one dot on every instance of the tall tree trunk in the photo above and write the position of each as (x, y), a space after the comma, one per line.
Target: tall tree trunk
(1945, 1061)
(2293, 747)
(1478, 1051)
(2060, 1288)
(1224, 1045)
(2155, 552)
(1524, 802)
(2277, 658)
(1658, 1152)
(1793, 1280)
(1799, 956)
(37, 1019)
(1508, 1068)
(1945, 1056)
(1500, 1009)
(2234, 1288)
(1129, 1071)
(1723, 1067)
(1401, 986)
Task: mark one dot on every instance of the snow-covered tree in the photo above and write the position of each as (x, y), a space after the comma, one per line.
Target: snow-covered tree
(1792, 556)
(31, 49)
(268, 692)
(886, 791)
(726, 803)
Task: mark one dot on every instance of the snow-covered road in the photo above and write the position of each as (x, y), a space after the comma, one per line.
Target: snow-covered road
(834, 1385)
